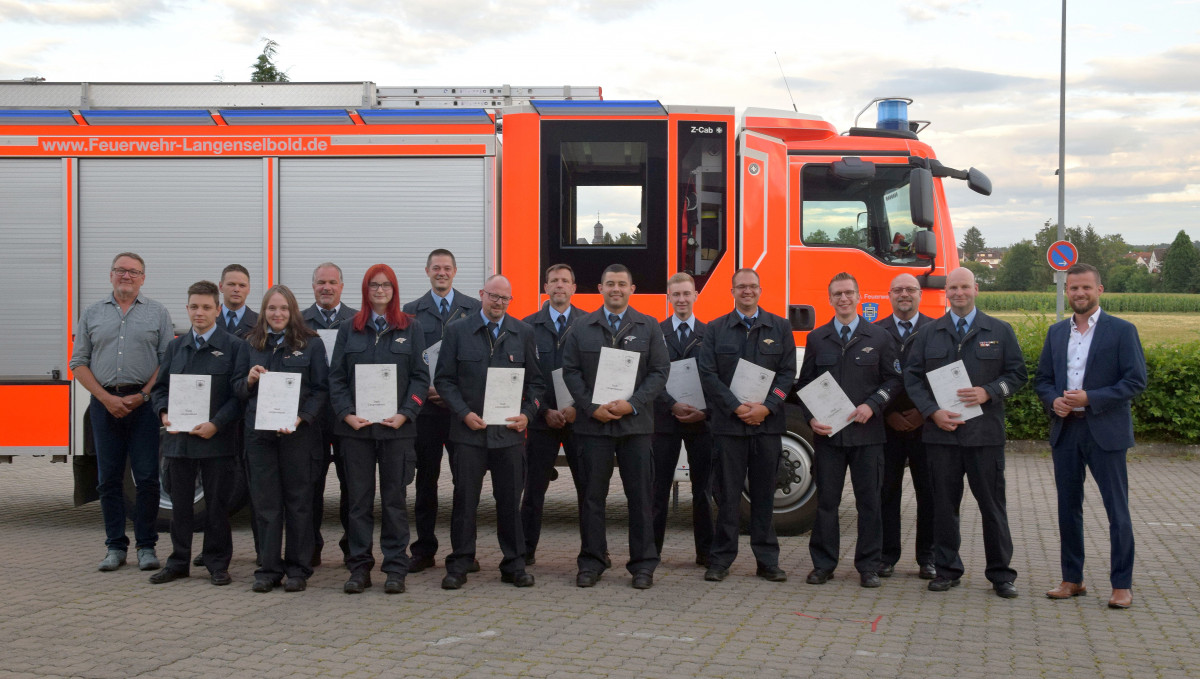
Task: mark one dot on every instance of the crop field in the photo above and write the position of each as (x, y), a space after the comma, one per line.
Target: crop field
(1154, 328)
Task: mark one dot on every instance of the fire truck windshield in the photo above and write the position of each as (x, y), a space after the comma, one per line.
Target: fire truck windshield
(871, 215)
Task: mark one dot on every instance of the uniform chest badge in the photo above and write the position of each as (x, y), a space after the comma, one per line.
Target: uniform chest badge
(628, 339)
(297, 353)
(867, 350)
(768, 341)
(896, 365)
(400, 340)
(217, 353)
(989, 343)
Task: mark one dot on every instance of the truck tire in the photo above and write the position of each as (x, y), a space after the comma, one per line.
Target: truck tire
(795, 490)
(165, 507)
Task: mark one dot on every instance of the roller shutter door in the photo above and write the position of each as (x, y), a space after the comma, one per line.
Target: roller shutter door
(33, 257)
(187, 218)
(360, 211)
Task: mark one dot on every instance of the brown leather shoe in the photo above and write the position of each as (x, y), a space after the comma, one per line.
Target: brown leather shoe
(1066, 590)
(1121, 598)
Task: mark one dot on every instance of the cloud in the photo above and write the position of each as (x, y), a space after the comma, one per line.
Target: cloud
(1171, 71)
(81, 11)
(946, 80)
(928, 10)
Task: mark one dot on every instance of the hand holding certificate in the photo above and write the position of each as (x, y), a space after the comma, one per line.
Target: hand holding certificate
(375, 391)
(751, 383)
(827, 402)
(188, 402)
(683, 383)
(945, 383)
(616, 375)
(502, 395)
(278, 401)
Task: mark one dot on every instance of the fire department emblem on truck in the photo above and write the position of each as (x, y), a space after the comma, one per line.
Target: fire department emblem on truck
(870, 310)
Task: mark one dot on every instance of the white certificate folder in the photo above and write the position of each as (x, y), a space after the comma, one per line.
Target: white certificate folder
(188, 401)
(375, 391)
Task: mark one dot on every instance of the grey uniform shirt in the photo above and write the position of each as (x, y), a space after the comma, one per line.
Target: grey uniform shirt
(122, 349)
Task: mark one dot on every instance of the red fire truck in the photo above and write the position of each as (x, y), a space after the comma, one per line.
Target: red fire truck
(282, 176)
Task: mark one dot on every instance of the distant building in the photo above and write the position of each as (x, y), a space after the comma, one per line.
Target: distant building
(599, 237)
(1151, 260)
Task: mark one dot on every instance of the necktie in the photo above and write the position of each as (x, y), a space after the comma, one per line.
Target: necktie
(614, 322)
(232, 322)
(962, 328)
(328, 313)
(845, 334)
(683, 334)
(749, 322)
(200, 343)
(274, 338)
(381, 324)
(493, 328)
(562, 324)
(906, 328)
(445, 308)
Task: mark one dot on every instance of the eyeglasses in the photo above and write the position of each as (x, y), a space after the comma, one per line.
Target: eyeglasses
(132, 273)
(844, 293)
(747, 286)
(902, 291)
(386, 285)
(504, 299)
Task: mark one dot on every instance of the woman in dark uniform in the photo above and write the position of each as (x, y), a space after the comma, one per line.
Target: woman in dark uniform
(380, 337)
(280, 461)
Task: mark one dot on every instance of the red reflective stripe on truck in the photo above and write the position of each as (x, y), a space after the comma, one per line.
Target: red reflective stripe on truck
(35, 415)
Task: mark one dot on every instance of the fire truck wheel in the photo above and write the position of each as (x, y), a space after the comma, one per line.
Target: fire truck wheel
(165, 507)
(795, 492)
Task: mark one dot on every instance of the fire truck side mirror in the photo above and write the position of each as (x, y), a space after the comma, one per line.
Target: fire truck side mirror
(920, 197)
(924, 244)
(979, 182)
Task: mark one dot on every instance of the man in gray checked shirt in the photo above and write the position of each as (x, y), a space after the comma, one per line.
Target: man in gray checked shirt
(118, 344)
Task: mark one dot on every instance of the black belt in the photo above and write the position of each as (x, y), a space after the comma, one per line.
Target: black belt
(1078, 414)
(124, 389)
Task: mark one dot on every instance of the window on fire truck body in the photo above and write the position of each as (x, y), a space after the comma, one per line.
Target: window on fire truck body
(868, 214)
(604, 197)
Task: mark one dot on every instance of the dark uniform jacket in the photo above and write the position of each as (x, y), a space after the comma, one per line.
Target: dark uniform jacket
(993, 361)
(769, 344)
(424, 308)
(401, 348)
(468, 350)
(307, 363)
(316, 320)
(244, 326)
(664, 421)
(901, 402)
(865, 367)
(581, 357)
(224, 358)
(549, 355)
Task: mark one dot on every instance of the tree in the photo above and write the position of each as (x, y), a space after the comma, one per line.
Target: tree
(1018, 268)
(1179, 265)
(972, 244)
(818, 236)
(847, 235)
(265, 70)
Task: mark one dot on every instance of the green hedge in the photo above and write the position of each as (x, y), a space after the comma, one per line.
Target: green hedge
(1168, 411)
(1116, 302)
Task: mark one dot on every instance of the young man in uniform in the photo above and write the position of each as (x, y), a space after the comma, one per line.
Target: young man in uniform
(434, 310)
(620, 427)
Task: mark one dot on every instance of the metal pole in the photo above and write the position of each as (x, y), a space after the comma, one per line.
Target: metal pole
(1059, 276)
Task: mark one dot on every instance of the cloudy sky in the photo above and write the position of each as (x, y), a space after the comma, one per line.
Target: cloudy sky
(985, 73)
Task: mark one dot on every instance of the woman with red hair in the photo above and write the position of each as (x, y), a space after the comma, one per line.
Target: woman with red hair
(381, 338)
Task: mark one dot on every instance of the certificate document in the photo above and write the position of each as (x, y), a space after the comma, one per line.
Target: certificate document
(278, 401)
(616, 375)
(827, 402)
(751, 382)
(375, 391)
(187, 402)
(562, 396)
(431, 356)
(945, 383)
(683, 383)
(502, 395)
(328, 338)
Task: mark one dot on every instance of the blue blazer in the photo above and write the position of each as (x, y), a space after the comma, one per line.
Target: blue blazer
(1114, 374)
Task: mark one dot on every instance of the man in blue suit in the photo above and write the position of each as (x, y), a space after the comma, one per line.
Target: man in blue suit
(1090, 369)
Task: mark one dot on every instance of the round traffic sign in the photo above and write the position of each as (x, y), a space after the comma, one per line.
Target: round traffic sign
(1062, 255)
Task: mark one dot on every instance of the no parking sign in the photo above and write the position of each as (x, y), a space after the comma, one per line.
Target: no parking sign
(1062, 255)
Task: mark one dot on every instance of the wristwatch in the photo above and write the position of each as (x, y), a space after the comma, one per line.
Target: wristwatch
(145, 397)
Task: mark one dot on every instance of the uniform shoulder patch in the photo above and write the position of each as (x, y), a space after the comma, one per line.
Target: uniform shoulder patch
(896, 365)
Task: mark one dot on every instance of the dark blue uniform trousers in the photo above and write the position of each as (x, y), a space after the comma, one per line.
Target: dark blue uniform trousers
(507, 466)
(984, 469)
(1074, 454)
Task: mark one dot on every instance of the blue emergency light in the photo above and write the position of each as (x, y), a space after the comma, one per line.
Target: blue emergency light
(892, 115)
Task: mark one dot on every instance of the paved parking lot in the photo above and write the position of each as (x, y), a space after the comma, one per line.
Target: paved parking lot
(60, 617)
